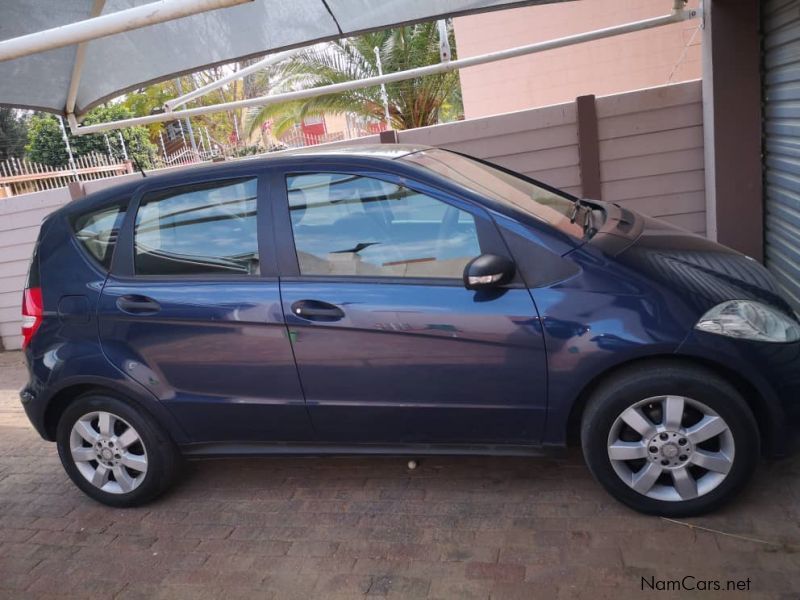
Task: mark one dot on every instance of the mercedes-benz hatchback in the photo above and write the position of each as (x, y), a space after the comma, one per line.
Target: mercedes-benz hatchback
(399, 300)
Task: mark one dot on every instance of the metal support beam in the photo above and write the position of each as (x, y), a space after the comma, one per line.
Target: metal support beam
(445, 53)
(105, 25)
(77, 66)
(68, 147)
(240, 74)
(188, 120)
(384, 95)
(122, 145)
(675, 17)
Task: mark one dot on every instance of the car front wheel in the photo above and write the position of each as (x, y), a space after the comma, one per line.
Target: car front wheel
(670, 439)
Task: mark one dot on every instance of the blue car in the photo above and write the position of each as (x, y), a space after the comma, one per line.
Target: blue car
(400, 300)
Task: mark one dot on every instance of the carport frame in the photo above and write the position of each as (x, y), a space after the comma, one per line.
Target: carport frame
(99, 26)
(678, 14)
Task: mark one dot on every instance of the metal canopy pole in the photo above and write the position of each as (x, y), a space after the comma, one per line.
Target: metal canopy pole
(676, 16)
(122, 145)
(77, 66)
(188, 120)
(241, 73)
(236, 128)
(105, 25)
(67, 145)
(163, 147)
(384, 94)
(108, 147)
(444, 42)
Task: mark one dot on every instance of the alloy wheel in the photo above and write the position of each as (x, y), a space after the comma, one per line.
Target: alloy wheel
(671, 448)
(108, 452)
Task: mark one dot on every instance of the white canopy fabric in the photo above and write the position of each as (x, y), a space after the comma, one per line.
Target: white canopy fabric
(126, 61)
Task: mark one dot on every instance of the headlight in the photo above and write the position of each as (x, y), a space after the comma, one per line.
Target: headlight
(749, 320)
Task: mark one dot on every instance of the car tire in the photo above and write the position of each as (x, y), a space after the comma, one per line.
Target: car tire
(670, 439)
(115, 453)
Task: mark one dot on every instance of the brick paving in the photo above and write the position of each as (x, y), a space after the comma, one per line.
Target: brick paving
(368, 528)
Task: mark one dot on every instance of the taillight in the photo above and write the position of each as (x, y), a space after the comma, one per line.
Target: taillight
(31, 314)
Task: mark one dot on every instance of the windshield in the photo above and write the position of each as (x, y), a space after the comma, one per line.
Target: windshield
(544, 204)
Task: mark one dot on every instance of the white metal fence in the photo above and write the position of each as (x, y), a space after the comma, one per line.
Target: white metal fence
(24, 177)
(19, 176)
(299, 139)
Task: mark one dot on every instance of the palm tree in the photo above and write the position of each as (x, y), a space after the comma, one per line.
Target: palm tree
(412, 103)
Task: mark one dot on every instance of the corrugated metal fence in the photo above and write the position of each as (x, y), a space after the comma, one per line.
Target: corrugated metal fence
(781, 25)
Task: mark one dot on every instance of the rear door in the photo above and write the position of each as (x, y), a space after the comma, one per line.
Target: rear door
(192, 311)
(390, 346)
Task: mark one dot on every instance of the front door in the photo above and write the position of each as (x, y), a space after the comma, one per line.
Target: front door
(390, 346)
(192, 311)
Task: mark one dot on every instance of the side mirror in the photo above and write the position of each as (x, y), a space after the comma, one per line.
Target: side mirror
(488, 271)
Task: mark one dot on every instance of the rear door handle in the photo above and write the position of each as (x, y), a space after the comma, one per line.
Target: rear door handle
(316, 310)
(138, 305)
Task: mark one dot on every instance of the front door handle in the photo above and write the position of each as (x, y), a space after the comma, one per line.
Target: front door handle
(316, 310)
(138, 305)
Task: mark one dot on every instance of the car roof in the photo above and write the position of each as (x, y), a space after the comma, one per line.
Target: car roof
(390, 151)
(370, 152)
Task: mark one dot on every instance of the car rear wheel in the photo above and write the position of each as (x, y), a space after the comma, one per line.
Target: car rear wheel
(670, 439)
(114, 453)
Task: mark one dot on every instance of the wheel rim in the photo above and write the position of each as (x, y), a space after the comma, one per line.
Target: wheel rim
(671, 448)
(108, 452)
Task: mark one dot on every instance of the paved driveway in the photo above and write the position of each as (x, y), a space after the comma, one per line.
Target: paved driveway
(366, 527)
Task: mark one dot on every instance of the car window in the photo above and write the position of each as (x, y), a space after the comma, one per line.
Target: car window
(486, 180)
(97, 232)
(351, 225)
(200, 229)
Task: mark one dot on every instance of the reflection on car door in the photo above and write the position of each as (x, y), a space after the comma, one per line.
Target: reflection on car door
(192, 311)
(390, 346)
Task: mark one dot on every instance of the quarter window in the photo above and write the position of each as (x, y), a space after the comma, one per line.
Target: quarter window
(97, 232)
(351, 225)
(196, 230)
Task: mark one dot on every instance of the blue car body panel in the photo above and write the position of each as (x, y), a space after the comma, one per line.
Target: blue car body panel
(415, 363)
(412, 362)
(65, 354)
(217, 355)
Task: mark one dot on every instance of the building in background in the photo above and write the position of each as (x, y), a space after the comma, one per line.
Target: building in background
(629, 62)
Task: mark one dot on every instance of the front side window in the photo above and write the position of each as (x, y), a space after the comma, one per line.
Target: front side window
(97, 232)
(197, 230)
(351, 225)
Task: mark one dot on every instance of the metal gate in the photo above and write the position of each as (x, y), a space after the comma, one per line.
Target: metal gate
(781, 85)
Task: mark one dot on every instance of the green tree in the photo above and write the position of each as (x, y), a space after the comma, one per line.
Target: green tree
(13, 133)
(46, 144)
(220, 125)
(143, 102)
(412, 103)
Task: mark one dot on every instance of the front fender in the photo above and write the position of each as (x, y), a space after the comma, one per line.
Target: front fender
(771, 370)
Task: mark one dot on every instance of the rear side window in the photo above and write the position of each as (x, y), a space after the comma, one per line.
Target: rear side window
(197, 230)
(97, 232)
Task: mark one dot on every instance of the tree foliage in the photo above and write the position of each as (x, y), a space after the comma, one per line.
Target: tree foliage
(220, 125)
(13, 133)
(412, 103)
(46, 143)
